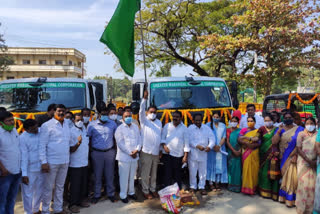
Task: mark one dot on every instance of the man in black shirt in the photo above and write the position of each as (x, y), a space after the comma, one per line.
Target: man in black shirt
(44, 118)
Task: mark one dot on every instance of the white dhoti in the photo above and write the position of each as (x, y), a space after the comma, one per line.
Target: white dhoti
(127, 172)
(31, 193)
(199, 167)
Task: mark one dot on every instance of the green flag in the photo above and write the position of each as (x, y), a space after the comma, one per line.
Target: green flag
(119, 34)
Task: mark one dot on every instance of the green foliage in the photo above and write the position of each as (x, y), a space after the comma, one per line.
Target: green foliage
(118, 89)
(4, 59)
(273, 39)
(172, 28)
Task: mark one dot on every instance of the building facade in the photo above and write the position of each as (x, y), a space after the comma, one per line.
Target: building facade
(44, 62)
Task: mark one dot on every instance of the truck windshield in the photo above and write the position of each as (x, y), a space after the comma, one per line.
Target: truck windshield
(206, 94)
(27, 97)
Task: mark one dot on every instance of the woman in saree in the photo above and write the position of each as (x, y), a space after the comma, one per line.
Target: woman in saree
(249, 140)
(286, 137)
(269, 172)
(316, 207)
(306, 167)
(234, 157)
(217, 162)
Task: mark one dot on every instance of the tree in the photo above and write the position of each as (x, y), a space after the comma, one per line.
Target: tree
(5, 60)
(172, 28)
(117, 89)
(274, 38)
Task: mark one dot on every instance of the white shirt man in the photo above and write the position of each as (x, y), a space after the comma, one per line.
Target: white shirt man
(32, 177)
(151, 138)
(55, 140)
(10, 176)
(175, 141)
(78, 166)
(201, 140)
(129, 144)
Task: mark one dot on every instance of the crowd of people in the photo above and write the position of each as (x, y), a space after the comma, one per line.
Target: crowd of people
(63, 156)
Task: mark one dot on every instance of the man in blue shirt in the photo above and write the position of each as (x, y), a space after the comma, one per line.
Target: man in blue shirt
(101, 134)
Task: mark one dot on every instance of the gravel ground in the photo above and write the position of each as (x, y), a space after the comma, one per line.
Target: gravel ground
(225, 202)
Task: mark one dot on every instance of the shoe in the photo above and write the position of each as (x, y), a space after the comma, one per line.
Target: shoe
(147, 196)
(39, 212)
(133, 197)
(84, 204)
(112, 199)
(74, 209)
(192, 190)
(125, 200)
(155, 194)
(95, 200)
(203, 192)
(63, 212)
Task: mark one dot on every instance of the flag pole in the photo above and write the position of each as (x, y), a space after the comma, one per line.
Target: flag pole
(143, 51)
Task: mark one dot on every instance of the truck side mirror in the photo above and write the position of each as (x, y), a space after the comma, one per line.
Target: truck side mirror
(136, 96)
(234, 94)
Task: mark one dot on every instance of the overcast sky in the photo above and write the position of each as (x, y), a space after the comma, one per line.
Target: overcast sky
(64, 23)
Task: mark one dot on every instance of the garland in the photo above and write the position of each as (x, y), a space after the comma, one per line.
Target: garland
(301, 100)
(167, 114)
(18, 119)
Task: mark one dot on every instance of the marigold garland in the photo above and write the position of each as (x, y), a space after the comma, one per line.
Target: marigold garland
(166, 114)
(19, 123)
(301, 100)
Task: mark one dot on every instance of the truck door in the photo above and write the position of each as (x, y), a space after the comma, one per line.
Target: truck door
(97, 92)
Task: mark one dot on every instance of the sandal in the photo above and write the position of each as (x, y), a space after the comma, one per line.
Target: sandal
(213, 188)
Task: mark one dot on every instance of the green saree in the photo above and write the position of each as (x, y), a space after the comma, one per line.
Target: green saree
(268, 188)
(234, 163)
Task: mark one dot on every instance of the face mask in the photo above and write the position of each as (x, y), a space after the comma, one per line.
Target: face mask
(216, 120)
(251, 125)
(288, 121)
(310, 128)
(233, 124)
(8, 128)
(268, 124)
(113, 117)
(128, 120)
(119, 117)
(60, 119)
(104, 118)
(86, 119)
(79, 124)
(152, 116)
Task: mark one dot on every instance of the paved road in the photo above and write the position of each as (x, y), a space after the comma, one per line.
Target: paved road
(225, 203)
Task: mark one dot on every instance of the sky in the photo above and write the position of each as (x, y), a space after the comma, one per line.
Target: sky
(65, 23)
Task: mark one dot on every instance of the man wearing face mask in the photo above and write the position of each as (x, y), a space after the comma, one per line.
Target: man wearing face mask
(32, 178)
(151, 138)
(113, 115)
(78, 167)
(10, 157)
(101, 135)
(129, 144)
(251, 109)
(69, 119)
(86, 114)
(54, 151)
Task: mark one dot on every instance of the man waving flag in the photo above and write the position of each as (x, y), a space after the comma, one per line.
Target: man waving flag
(119, 34)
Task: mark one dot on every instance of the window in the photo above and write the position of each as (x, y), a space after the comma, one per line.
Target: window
(42, 62)
(70, 62)
(79, 64)
(59, 62)
(26, 61)
(10, 78)
(169, 95)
